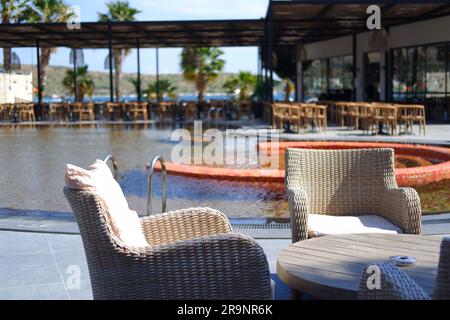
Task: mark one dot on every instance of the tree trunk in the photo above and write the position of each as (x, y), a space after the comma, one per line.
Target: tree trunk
(118, 68)
(6, 51)
(80, 93)
(7, 59)
(46, 53)
(201, 85)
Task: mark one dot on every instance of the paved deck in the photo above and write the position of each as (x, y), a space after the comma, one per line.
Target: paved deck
(436, 134)
(36, 252)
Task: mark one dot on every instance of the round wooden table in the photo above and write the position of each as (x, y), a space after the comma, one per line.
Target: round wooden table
(330, 267)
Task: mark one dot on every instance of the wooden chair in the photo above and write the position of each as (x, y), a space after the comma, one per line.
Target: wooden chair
(295, 116)
(244, 108)
(190, 111)
(87, 111)
(320, 115)
(115, 110)
(280, 115)
(58, 111)
(314, 114)
(410, 114)
(137, 110)
(6, 112)
(341, 112)
(385, 114)
(26, 112)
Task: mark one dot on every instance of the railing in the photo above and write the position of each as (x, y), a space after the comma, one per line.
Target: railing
(150, 184)
(115, 166)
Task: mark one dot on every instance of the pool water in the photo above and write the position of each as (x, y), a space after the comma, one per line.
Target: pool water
(32, 163)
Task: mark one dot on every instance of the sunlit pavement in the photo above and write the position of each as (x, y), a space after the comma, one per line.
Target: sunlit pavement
(35, 265)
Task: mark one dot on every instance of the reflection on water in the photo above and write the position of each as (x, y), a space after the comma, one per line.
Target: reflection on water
(32, 162)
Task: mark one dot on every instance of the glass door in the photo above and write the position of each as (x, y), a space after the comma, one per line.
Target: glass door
(372, 65)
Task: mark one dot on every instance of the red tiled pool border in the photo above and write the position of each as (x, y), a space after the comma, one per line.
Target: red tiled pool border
(405, 176)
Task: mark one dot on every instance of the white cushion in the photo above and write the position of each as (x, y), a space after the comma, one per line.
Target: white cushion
(123, 222)
(320, 224)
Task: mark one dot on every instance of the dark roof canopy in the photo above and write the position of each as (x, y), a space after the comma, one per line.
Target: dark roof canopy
(126, 34)
(292, 21)
(317, 20)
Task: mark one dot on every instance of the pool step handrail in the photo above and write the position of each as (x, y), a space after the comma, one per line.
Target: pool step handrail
(115, 170)
(150, 173)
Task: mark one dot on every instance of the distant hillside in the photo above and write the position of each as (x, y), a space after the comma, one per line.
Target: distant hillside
(56, 74)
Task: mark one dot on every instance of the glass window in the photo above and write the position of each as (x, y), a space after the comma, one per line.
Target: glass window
(436, 69)
(315, 78)
(337, 73)
(420, 72)
(348, 72)
(420, 83)
(328, 76)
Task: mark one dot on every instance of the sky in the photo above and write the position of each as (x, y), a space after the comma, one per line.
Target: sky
(154, 10)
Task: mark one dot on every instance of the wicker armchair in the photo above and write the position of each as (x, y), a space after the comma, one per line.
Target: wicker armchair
(193, 254)
(395, 284)
(347, 182)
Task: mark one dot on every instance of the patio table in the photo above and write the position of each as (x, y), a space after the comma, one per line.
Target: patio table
(330, 267)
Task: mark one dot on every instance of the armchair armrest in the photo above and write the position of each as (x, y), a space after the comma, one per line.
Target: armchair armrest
(184, 224)
(402, 207)
(442, 286)
(298, 209)
(394, 284)
(226, 266)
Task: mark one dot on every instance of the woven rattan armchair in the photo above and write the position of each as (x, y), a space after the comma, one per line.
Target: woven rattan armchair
(347, 183)
(395, 284)
(193, 254)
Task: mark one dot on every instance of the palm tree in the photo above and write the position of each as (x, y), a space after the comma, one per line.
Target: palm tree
(201, 66)
(47, 11)
(244, 82)
(165, 88)
(11, 12)
(118, 11)
(85, 83)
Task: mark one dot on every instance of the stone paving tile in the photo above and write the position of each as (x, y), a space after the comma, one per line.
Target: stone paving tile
(42, 292)
(67, 261)
(65, 243)
(13, 243)
(28, 270)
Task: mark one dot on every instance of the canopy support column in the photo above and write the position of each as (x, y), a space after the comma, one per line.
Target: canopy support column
(157, 75)
(39, 83)
(270, 57)
(111, 83)
(75, 87)
(138, 45)
(355, 61)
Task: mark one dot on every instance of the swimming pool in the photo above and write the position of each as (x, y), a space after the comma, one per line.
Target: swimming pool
(32, 162)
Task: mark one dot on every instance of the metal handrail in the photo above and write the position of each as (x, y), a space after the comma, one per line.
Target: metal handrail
(150, 184)
(115, 166)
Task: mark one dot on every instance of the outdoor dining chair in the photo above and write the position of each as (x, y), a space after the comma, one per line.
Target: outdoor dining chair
(347, 191)
(188, 254)
(395, 284)
(26, 112)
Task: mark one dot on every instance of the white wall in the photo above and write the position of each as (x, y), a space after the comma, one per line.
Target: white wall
(16, 88)
(424, 32)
